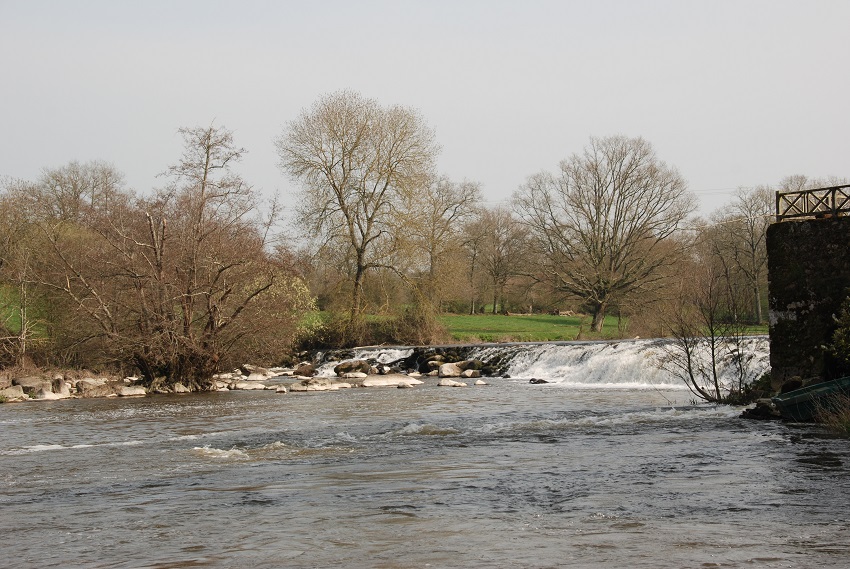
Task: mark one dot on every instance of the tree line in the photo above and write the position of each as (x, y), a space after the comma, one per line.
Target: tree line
(195, 276)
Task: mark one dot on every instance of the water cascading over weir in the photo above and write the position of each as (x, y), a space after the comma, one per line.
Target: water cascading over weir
(626, 364)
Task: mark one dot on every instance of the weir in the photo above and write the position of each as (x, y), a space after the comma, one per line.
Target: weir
(627, 364)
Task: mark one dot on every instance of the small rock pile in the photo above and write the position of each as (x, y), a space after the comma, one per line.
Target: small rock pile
(65, 386)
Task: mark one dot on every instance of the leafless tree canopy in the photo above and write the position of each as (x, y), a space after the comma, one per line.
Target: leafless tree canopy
(357, 162)
(602, 217)
(176, 285)
(738, 236)
(434, 221)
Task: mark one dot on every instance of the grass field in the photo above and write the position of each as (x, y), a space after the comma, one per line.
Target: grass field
(534, 328)
(524, 328)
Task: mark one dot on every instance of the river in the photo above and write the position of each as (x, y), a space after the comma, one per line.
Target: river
(569, 474)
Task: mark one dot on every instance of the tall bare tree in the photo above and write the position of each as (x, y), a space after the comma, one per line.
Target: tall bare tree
(357, 162)
(739, 235)
(708, 348)
(602, 217)
(500, 244)
(434, 222)
(68, 191)
(183, 283)
(19, 298)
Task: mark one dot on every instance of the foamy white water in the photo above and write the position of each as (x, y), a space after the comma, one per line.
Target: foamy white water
(627, 364)
(631, 364)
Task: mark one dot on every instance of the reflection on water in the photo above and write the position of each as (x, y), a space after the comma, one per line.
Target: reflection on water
(510, 475)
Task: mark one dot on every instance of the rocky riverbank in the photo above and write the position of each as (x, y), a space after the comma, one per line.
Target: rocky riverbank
(444, 366)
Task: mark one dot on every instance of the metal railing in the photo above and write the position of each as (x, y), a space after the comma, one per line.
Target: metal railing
(820, 202)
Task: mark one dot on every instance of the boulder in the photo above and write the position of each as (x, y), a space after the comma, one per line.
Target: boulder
(764, 410)
(247, 385)
(405, 385)
(353, 366)
(470, 373)
(446, 382)
(791, 384)
(354, 375)
(33, 384)
(256, 376)
(535, 381)
(450, 370)
(227, 376)
(45, 394)
(180, 388)
(91, 387)
(314, 384)
(280, 389)
(60, 388)
(248, 369)
(390, 381)
(131, 391)
(13, 393)
(481, 382)
(305, 370)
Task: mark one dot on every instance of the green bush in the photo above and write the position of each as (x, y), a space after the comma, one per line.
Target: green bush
(840, 347)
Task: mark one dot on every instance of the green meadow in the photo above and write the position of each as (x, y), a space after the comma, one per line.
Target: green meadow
(524, 327)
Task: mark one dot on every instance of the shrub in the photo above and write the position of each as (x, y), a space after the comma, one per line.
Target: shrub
(840, 347)
(835, 415)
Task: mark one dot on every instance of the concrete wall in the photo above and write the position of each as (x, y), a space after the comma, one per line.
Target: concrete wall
(809, 277)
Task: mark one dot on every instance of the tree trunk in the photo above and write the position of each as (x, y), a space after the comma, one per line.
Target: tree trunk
(357, 293)
(758, 304)
(598, 318)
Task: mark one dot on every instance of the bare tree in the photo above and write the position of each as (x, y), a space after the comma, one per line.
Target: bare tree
(740, 230)
(181, 283)
(707, 349)
(602, 219)
(500, 243)
(433, 225)
(799, 182)
(19, 299)
(67, 192)
(357, 162)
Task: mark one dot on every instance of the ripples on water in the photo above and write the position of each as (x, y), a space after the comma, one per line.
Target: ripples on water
(510, 475)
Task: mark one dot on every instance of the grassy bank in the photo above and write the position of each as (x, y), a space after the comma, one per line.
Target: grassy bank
(524, 328)
(535, 328)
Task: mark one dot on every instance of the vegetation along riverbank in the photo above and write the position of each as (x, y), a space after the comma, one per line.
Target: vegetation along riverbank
(176, 286)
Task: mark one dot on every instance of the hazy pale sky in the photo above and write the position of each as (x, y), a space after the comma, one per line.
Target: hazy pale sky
(733, 93)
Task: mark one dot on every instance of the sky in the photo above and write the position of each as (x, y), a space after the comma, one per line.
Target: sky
(732, 93)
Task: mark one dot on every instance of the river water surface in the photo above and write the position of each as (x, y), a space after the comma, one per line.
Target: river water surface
(507, 475)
